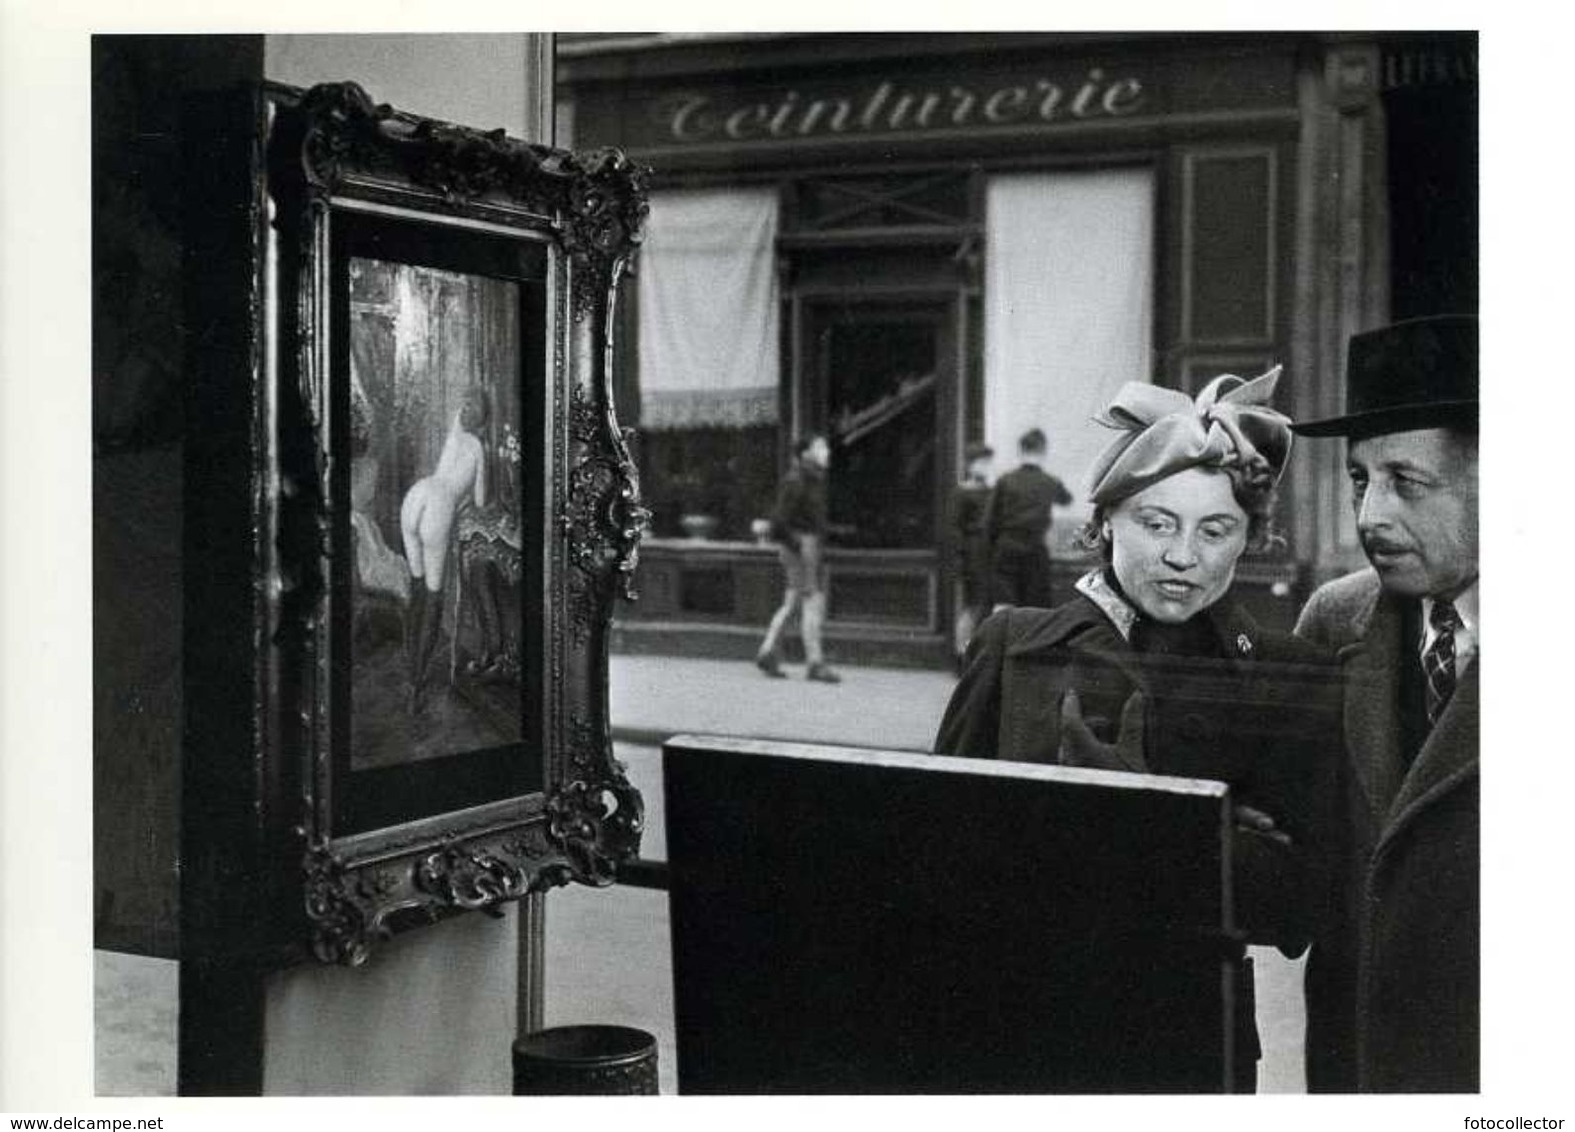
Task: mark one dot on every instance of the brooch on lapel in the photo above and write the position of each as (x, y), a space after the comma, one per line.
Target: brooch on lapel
(1243, 644)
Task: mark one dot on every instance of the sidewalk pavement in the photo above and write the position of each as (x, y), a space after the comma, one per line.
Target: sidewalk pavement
(655, 697)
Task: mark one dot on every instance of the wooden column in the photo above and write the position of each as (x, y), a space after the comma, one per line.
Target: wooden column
(1342, 277)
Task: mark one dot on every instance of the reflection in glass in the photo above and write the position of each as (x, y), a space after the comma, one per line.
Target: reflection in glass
(436, 513)
(880, 377)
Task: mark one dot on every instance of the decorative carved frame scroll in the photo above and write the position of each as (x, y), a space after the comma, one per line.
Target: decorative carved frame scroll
(336, 158)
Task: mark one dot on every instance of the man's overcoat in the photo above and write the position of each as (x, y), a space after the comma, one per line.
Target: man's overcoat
(1393, 979)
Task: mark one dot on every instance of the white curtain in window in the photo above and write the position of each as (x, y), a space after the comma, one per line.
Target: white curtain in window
(708, 309)
(1068, 309)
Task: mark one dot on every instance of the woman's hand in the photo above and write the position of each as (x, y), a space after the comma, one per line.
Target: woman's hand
(1081, 747)
(1250, 820)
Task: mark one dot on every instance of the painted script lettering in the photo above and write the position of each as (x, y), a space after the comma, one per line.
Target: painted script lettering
(893, 108)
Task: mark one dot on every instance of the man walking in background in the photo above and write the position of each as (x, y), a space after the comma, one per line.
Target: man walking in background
(1394, 975)
(798, 523)
(1017, 524)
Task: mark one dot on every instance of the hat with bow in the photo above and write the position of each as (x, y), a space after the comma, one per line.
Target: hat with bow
(1163, 431)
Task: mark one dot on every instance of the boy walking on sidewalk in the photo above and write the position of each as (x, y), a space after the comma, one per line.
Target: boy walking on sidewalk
(799, 526)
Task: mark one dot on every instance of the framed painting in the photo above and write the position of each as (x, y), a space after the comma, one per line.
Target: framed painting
(453, 511)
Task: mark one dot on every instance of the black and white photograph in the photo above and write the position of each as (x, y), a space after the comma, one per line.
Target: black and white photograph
(814, 563)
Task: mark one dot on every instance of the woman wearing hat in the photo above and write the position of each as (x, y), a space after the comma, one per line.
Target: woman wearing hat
(1153, 667)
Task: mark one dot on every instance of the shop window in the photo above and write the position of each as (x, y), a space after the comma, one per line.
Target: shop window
(877, 367)
(726, 474)
(1069, 301)
(1431, 169)
(709, 361)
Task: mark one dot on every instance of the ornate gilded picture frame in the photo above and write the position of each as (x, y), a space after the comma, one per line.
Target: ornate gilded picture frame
(453, 511)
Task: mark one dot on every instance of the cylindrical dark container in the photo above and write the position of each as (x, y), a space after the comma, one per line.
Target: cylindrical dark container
(585, 1061)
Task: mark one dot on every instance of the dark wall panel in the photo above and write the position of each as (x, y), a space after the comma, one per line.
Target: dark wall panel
(136, 698)
(143, 219)
(1230, 283)
(175, 351)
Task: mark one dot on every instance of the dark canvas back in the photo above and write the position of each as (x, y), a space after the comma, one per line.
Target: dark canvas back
(849, 921)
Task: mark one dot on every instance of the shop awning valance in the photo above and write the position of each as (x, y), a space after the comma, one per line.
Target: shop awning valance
(708, 310)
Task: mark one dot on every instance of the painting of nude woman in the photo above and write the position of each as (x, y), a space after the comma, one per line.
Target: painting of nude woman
(434, 405)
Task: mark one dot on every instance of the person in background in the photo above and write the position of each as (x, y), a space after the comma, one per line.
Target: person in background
(1153, 667)
(1393, 980)
(970, 545)
(1017, 523)
(798, 523)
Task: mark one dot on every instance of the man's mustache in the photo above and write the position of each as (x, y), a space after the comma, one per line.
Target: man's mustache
(1375, 544)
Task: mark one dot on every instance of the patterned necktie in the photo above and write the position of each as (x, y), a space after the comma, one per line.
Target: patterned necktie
(1438, 661)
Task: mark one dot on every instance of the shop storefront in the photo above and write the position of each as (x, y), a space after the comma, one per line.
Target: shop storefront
(911, 242)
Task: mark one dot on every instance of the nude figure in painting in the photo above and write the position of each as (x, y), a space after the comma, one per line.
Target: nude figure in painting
(426, 522)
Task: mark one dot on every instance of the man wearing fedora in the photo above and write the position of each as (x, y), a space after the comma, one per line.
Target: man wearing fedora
(1393, 979)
